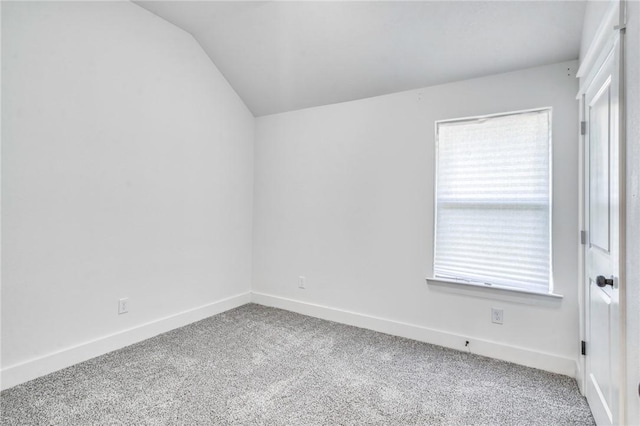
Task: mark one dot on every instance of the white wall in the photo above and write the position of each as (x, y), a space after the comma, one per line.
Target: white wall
(344, 197)
(593, 14)
(127, 171)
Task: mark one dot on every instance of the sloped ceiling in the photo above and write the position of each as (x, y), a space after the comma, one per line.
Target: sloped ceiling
(282, 56)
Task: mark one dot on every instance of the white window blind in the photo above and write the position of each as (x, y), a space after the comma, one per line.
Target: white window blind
(493, 191)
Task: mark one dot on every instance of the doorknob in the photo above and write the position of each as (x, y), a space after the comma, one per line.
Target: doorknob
(602, 281)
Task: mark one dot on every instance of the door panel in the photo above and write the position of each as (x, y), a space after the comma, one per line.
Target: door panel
(602, 254)
(599, 114)
(600, 346)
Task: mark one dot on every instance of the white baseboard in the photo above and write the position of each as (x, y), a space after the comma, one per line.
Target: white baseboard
(517, 355)
(31, 369)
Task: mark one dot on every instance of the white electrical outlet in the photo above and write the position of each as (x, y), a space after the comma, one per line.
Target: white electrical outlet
(123, 306)
(301, 282)
(497, 316)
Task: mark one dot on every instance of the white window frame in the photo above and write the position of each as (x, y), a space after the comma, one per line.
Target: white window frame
(480, 284)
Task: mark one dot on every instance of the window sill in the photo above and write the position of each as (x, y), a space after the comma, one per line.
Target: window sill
(494, 289)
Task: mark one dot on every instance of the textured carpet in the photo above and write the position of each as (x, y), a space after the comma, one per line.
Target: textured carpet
(259, 365)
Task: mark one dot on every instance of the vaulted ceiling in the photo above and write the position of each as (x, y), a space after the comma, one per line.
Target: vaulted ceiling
(282, 56)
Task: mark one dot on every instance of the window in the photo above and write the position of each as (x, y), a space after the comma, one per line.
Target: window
(493, 200)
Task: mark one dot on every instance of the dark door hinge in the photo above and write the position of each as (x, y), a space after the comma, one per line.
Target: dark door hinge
(583, 127)
(583, 347)
(583, 237)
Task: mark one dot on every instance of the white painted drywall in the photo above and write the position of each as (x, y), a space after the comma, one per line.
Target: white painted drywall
(127, 170)
(287, 55)
(344, 197)
(593, 14)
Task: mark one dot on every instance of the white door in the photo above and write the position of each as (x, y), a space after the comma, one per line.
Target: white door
(602, 255)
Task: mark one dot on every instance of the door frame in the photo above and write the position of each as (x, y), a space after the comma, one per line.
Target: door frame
(610, 32)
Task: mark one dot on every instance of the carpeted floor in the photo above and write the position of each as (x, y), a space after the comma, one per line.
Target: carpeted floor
(259, 365)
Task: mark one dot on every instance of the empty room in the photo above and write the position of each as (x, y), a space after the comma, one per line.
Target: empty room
(320, 212)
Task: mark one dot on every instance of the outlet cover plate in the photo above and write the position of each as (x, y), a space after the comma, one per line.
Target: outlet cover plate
(123, 306)
(497, 316)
